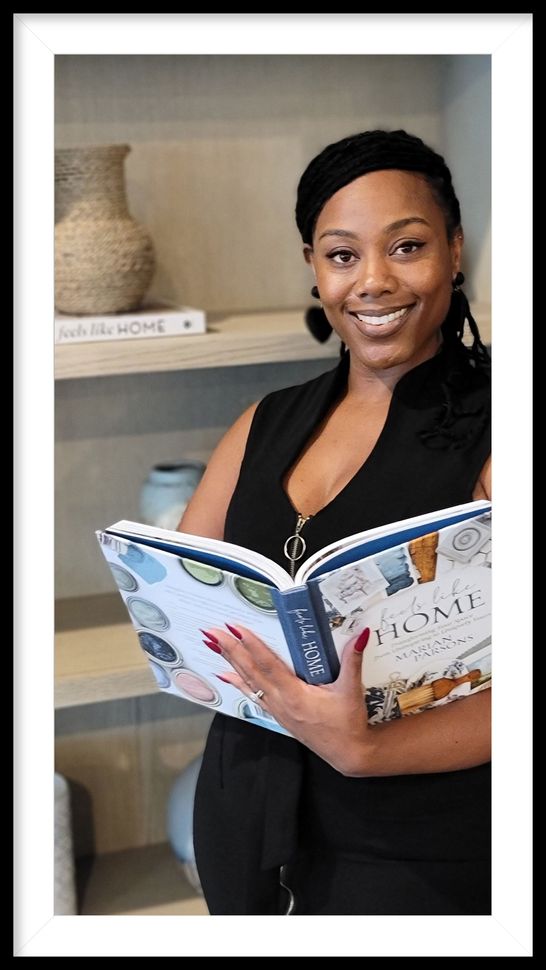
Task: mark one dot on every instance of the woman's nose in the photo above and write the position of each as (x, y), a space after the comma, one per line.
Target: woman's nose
(375, 278)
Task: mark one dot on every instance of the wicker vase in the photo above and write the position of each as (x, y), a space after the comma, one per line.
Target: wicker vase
(104, 260)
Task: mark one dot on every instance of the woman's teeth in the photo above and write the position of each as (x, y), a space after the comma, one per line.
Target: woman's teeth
(378, 321)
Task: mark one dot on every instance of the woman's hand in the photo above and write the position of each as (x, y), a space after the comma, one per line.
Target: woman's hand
(329, 719)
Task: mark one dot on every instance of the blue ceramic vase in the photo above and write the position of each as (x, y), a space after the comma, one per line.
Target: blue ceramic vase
(167, 490)
(180, 820)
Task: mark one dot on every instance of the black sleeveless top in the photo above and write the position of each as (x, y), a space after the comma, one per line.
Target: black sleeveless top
(261, 796)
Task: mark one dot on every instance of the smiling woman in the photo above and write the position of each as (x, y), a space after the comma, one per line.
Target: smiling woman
(352, 818)
(385, 284)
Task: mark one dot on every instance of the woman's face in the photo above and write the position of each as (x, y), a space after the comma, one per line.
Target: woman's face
(384, 268)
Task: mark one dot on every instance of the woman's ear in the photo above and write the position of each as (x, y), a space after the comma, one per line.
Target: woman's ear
(456, 251)
(308, 256)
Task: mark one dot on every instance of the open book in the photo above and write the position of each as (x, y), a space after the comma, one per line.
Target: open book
(422, 586)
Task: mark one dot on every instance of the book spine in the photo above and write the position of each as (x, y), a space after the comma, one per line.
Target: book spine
(323, 625)
(313, 655)
(128, 326)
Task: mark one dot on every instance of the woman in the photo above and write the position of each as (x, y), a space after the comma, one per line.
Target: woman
(346, 818)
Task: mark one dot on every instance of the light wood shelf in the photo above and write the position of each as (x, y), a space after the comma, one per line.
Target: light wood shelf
(232, 341)
(97, 657)
(146, 881)
(252, 338)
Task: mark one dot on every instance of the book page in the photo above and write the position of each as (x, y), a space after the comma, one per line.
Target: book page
(170, 599)
(228, 555)
(363, 544)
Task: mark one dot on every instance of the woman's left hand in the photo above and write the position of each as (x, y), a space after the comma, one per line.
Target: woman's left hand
(330, 719)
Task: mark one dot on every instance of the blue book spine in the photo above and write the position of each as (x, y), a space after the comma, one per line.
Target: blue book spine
(312, 651)
(323, 624)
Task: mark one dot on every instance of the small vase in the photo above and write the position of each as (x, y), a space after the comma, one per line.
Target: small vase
(180, 820)
(104, 259)
(65, 878)
(167, 490)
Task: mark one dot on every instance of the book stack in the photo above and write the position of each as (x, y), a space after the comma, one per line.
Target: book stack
(152, 320)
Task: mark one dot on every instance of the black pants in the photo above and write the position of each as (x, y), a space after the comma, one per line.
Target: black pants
(407, 845)
(322, 885)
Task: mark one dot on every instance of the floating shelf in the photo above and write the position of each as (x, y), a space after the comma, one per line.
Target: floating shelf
(97, 657)
(252, 338)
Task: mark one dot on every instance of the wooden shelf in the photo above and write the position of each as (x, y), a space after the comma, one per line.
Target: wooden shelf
(147, 881)
(97, 657)
(252, 338)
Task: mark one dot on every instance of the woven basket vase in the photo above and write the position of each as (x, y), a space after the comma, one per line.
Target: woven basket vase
(104, 259)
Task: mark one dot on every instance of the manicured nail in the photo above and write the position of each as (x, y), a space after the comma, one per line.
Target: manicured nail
(210, 636)
(223, 679)
(212, 646)
(362, 640)
(236, 633)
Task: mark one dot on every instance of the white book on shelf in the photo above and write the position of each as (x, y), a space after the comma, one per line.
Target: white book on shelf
(152, 320)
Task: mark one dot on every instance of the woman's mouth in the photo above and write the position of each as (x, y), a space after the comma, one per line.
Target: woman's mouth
(379, 324)
(377, 321)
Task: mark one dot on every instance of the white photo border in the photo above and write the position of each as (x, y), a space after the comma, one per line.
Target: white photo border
(37, 39)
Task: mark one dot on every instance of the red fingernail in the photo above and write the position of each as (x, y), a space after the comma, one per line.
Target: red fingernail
(210, 636)
(362, 640)
(223, 679)
(236, 633)
(212, 646)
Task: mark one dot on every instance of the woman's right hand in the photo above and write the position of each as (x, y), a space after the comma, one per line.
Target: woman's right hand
(330, 719)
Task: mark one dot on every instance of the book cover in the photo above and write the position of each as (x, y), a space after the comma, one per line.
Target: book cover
(422, 586)
(170, 598)
(427, 603)
(154, 320)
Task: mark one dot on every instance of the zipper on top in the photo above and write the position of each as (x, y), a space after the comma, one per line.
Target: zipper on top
(296, 545)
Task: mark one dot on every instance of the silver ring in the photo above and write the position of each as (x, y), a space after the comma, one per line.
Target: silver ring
(256, 695)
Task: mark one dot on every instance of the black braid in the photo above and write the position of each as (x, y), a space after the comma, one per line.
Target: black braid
(370, 151)
(453, 332)
(448, 431)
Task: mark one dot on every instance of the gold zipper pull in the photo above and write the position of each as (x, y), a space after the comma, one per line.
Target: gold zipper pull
(296, 545)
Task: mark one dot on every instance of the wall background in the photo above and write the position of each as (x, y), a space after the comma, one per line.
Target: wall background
(219, 143)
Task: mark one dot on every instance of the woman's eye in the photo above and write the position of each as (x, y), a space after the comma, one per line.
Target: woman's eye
(342, 256)
(409, 247)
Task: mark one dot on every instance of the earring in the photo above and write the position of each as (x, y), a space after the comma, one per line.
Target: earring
(316, 319)
(458, 280)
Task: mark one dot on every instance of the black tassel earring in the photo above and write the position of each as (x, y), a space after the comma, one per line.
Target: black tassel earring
(458, 280)
(316, 320)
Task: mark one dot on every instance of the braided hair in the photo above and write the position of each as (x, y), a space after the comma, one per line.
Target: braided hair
(369, 151)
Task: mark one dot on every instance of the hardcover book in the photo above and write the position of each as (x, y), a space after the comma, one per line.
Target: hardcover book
(153, 320)
(422, 586)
